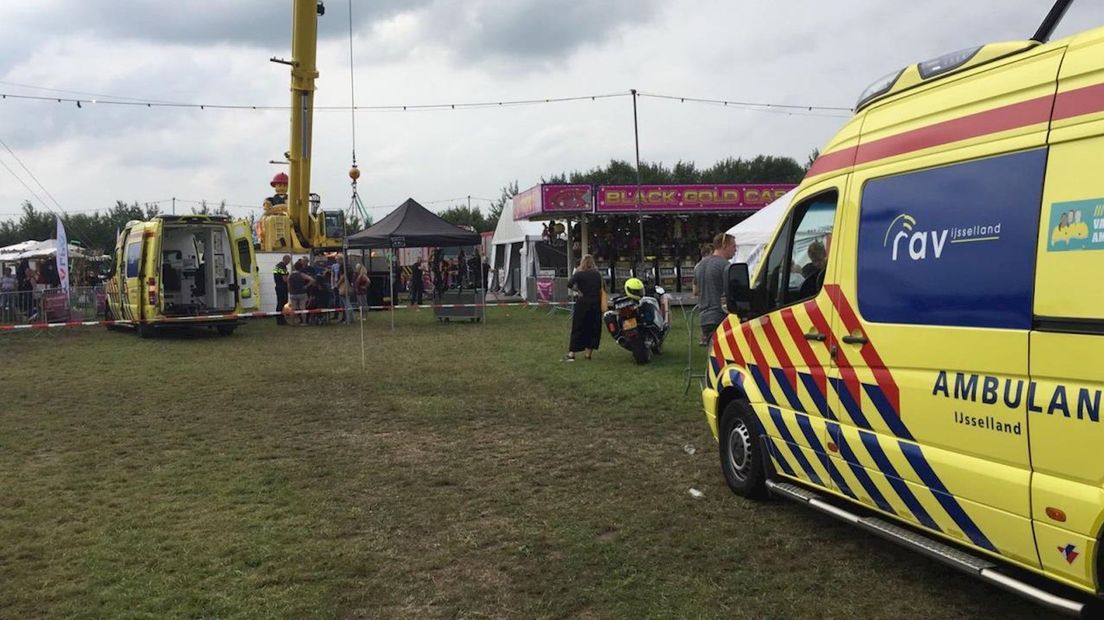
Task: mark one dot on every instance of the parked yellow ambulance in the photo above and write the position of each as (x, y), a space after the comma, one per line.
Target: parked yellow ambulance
(183, 269)
(938, 380)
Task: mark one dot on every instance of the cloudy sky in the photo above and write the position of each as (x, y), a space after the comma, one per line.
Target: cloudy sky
(443, 51)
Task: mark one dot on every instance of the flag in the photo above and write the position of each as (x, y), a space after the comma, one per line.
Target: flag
(62, 256)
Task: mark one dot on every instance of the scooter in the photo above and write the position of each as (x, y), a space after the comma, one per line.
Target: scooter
(638, 322)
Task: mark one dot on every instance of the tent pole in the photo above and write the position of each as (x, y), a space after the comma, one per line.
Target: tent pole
(363, 364)
(482, 287)
(391, 279)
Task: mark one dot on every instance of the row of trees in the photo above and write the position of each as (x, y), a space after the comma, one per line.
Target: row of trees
(760, 169)
(97, 230)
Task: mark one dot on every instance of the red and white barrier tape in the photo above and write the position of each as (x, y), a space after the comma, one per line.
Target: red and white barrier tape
(261, 315)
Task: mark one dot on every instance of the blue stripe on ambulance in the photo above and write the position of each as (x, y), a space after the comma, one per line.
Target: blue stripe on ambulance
(788, 390)
(764, 389)
(950, 504)
(857, 469)
(788, 437)
(870, 440)
(781, 460)
(849, 404)
(818, 449)
(889, 415)
(716, 365)
(820, 399)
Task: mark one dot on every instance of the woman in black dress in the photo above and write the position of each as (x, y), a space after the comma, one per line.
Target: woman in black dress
(586, 322)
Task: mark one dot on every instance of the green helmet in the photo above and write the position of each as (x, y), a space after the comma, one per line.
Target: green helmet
(634, 288)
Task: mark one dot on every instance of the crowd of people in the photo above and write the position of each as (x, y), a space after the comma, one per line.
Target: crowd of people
(325, 283)
(444, 273)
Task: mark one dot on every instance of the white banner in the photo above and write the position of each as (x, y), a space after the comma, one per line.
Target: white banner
(62, 256)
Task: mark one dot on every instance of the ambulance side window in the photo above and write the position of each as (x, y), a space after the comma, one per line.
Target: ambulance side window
(798, 262)
(133, 259)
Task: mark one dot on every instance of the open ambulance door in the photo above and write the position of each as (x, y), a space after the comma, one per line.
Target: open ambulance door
(245, 261)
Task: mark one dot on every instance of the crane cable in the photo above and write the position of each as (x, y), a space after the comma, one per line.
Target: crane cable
(355, 204)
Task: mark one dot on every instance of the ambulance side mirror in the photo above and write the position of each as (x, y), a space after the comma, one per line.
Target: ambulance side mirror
(739, 296)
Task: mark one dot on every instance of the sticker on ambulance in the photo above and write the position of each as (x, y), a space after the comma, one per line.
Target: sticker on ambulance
(1076, 225)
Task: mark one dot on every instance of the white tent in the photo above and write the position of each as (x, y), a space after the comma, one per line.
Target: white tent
(11, 252)
(753, 234)
(37, 249)
(511, 251)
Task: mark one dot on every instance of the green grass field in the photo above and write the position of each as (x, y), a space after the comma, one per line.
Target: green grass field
(466, 473)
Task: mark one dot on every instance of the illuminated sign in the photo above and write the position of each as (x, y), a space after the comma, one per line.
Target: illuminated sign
(689, 198)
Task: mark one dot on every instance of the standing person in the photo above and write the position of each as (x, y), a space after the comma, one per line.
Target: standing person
(362, 284)
(8, 287)
(586, 321)
(298, 283)
(280, 279)
(417, 287)
(709, 284)
(345, 297)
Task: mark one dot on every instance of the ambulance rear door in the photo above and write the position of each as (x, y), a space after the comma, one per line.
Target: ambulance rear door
(245, 262)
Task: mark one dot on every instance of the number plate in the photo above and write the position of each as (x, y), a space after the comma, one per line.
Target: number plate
(629, 324)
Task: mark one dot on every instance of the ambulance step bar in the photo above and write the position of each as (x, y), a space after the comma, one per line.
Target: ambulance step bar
(977, 566)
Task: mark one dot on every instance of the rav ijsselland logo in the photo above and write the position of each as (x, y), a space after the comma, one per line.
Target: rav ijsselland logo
(921, 244)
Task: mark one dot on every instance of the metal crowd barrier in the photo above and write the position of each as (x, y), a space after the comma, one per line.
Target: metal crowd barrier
(80, 303)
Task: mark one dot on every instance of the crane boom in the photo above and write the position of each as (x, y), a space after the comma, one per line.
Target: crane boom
(290, 222)
(304, 70)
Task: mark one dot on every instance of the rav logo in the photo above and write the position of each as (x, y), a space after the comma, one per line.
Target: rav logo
(915, 241)
(1069, 552)
(918, 242)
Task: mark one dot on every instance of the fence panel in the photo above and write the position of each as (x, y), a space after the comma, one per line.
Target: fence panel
(81, 303)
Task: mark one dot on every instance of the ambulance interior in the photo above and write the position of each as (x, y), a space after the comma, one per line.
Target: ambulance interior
(197, 270)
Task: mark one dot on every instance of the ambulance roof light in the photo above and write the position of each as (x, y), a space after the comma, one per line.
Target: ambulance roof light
(879, 87)
(947, 62)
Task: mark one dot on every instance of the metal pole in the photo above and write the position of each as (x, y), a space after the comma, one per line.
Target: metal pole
(639, 213)
(391, 279)
(482, 286)
(174, 205)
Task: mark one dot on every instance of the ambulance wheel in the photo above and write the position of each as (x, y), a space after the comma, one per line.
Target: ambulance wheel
(741, 458)
(226, 330)
(145, 330)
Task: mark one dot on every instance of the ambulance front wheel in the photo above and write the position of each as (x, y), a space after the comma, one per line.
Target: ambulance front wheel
(741, 454)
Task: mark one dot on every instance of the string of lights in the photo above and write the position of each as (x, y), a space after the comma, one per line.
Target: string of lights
(778, 108)
(115, 100)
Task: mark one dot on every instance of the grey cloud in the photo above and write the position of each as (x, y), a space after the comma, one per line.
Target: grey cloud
(531, 30)
(264, 23)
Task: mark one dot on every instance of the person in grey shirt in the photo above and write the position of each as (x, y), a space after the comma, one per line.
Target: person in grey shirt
(709, 284)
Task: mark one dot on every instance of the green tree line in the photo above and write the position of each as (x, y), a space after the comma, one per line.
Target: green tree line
(96, 231)
(759, 169)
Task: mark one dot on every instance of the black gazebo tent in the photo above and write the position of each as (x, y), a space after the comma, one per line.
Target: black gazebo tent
(414, 226)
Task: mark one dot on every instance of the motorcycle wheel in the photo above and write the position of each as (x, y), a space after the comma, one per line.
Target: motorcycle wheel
(640, 351)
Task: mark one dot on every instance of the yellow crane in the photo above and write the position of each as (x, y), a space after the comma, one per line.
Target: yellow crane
(293, 220)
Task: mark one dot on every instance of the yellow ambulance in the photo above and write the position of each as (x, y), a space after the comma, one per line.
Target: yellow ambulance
(937, 380)
(183, 270)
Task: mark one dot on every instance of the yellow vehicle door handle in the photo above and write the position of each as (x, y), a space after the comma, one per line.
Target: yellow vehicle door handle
(849, 339)
(819, 337)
